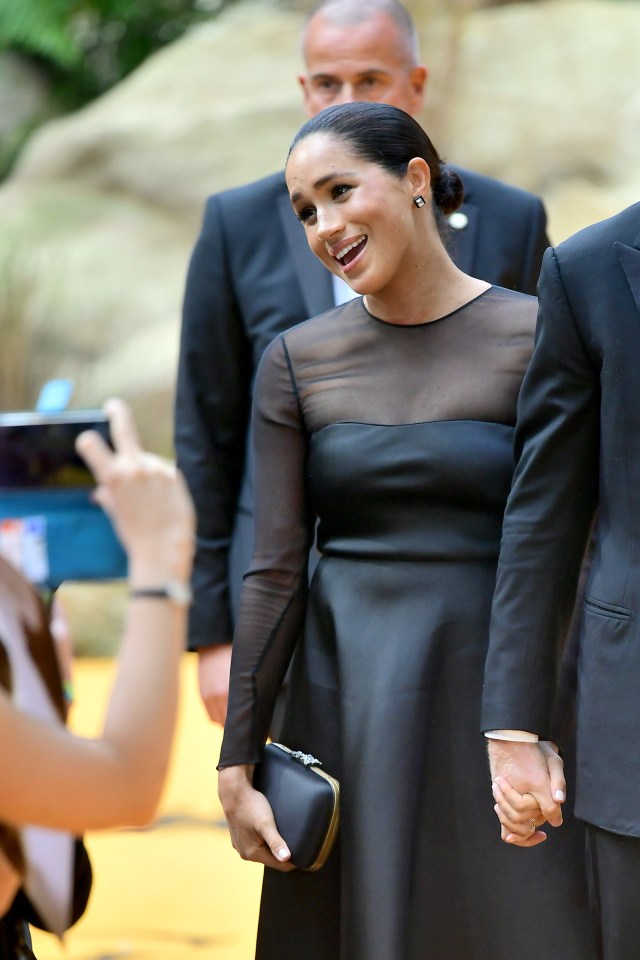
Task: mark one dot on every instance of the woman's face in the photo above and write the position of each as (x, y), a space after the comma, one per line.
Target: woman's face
(359, 219)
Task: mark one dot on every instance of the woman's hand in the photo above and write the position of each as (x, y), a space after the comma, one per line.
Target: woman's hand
(520, 814)
(145, 497)
(253, 830)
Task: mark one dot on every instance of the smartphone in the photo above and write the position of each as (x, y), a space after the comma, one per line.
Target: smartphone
(37, 450)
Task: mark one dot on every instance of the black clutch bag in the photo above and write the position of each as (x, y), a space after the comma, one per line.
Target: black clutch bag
(304, 800)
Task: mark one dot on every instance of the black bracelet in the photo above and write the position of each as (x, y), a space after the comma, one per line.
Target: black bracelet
(174, 591)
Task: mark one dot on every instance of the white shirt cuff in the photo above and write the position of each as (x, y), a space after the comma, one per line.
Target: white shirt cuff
(519, 736)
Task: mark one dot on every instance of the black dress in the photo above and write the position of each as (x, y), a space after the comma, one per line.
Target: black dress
(399, 440)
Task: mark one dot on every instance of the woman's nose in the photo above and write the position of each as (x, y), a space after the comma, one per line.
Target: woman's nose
(330, 223)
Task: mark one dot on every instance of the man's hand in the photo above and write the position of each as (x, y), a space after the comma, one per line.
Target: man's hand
(213, 679)
(528, 786)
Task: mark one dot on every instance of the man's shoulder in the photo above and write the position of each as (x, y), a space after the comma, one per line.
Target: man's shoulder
(623, 226)
(252, 212)
(266, 190)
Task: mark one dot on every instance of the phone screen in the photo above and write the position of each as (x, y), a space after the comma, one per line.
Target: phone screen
(38, 450)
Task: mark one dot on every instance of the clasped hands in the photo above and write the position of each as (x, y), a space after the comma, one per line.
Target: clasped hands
(528, 786)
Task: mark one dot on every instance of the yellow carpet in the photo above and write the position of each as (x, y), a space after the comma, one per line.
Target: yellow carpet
(178, 890)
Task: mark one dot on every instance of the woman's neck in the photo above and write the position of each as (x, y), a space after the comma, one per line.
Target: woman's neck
(435, 288)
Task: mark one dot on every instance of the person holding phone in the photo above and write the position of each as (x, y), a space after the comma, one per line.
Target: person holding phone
(51, 777)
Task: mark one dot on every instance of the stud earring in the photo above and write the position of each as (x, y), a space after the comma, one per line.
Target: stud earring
(419, 201)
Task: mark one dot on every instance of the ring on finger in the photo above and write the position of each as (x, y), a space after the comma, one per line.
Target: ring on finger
(533, 824)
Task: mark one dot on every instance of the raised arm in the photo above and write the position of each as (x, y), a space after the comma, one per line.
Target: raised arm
(55, 779)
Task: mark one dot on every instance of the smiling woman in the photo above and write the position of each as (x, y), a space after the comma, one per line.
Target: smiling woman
(389, 420)
(363, 214)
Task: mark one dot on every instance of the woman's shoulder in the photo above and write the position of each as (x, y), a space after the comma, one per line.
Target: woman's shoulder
(316, 335)
(327, 323)
(307, 344)
(510, 311)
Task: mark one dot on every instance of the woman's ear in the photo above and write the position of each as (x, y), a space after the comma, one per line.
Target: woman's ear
(419, 176)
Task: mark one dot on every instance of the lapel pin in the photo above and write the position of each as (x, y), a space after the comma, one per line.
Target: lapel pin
(458, 220)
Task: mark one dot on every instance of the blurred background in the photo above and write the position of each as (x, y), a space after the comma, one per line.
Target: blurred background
(117, 119)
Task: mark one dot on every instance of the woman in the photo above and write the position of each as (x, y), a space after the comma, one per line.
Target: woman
(389, 419)
(51, 778)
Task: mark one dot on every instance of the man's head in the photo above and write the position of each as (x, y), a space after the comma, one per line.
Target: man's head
(361, 50)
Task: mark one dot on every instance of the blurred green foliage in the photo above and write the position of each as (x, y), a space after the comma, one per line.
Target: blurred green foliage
(86, 46)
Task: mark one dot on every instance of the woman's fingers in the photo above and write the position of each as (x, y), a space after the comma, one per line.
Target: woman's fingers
(516, 807)
(519, 815)
(95, 453)
(276, 844)
(122, 428)
(538, 836)
(280, 854)
(523, 829)
(255, 835)
(520, 835)
(556, 771)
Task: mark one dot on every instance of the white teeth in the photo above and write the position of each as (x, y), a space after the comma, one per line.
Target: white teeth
(346, 249)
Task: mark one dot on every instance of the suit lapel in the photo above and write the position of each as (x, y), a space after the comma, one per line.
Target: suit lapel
(314, 279)
(630, 259)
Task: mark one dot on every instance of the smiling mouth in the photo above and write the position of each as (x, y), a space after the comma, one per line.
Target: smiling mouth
(349, 253)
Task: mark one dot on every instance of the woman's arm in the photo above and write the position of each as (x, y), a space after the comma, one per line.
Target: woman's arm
(55, 779)
(272, 605)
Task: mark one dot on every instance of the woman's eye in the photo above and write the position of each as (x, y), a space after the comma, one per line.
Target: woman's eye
(306, 213)
(340, 190)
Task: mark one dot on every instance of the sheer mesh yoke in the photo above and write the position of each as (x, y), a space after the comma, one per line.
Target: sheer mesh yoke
(347, 367)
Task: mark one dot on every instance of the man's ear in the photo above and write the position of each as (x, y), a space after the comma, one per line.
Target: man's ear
(418, 77)
(303, 80)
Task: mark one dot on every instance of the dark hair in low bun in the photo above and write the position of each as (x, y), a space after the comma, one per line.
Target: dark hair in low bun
(448, 191)
(382, 134)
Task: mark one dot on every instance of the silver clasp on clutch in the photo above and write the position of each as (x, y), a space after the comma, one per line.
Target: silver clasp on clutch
(305, 758)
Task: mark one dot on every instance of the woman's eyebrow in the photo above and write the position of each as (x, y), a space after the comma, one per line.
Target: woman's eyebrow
(321, 182)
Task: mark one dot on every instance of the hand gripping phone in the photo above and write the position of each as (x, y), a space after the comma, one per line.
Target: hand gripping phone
(50, 529)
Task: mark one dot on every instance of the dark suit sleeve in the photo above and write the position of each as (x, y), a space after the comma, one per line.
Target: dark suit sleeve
(548, 516)
(211, 418)
(537, 243)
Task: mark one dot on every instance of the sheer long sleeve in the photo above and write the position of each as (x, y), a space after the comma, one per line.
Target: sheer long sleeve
(275, 587)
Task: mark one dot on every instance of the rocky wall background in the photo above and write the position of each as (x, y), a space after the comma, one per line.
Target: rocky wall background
(101, 211)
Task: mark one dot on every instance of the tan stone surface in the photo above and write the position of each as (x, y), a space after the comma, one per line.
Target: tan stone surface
(212, 110)
(547, 96)
(102, 211)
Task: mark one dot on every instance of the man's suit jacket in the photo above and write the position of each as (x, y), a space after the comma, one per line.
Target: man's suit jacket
(578, 451)
(251, 277)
